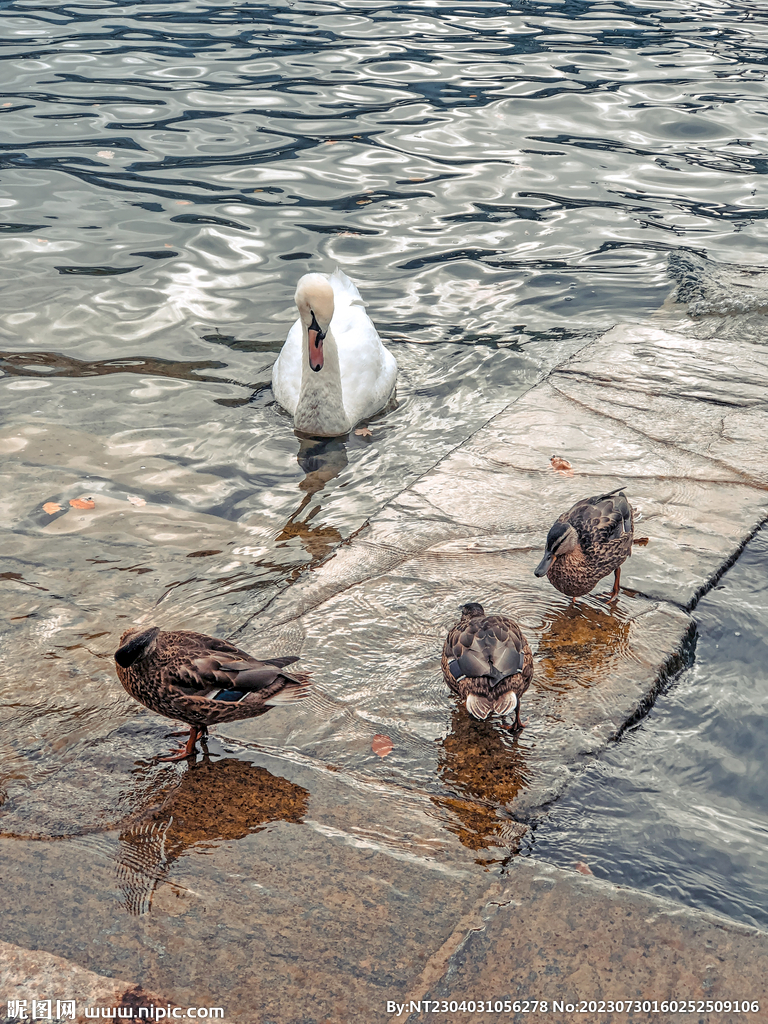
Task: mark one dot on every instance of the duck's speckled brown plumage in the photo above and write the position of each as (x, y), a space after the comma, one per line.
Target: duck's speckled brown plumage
(202, 680)
(487, 661)
(599, 541)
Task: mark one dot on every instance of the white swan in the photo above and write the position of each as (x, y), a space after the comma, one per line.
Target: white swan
(333, 370)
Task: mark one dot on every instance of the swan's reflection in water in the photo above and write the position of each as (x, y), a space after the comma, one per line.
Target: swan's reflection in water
(322, 459)
(211, 802)
(482, 763)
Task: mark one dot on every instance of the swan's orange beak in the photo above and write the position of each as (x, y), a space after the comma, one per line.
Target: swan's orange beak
(316, 350)
(315, 345)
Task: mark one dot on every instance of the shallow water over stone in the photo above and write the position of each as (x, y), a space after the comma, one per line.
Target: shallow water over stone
(504, 183)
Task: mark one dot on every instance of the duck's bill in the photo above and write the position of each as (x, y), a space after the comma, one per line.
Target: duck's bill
(315, 350)
(543, 566)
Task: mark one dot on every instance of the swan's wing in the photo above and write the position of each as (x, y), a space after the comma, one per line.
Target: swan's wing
(286, 371)
(368, 369)
(345, 291)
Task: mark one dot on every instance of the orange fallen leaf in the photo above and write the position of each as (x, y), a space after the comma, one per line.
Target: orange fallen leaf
(136, 500)
(82, 503)
(50, 507)
(183, 202)
(585, 869)
(381, 745)
(642, 541)
(561, 465)
(363, 202)
(363, 432)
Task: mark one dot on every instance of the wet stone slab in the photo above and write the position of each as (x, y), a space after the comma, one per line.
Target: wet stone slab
(581, 945)
(31, 976)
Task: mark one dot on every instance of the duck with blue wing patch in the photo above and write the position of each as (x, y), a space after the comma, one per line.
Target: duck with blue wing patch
(589, 541)
(202, 680)
(487, 661)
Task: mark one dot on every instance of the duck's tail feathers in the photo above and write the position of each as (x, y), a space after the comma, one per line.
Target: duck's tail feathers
(340, 282)
(506, 703)
(482, 707)
(282, 662)
(479, 707)
(292, 692)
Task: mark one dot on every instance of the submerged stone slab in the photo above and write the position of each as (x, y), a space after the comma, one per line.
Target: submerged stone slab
(374, 651)
(281, 891)
(580, 945)
(680, 423)
(369, 624)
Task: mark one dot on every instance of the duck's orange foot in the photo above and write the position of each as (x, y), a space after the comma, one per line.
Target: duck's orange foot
(188, 750)
(614, 594)
(178, 755)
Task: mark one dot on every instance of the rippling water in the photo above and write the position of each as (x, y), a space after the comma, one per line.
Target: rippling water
(502, 180)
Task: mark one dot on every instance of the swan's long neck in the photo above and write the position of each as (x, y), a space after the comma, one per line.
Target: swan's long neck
(321, 401)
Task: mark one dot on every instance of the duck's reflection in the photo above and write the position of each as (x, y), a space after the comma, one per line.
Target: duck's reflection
(483, 764)
(580, 645)
(212, 802)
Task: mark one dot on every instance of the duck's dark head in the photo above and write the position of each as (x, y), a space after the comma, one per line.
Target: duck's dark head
(472, 609)
(134, 645)
(561, 539)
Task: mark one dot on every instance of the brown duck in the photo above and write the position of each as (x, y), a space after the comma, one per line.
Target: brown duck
(488, 663)
(202, 680)
(589, 541)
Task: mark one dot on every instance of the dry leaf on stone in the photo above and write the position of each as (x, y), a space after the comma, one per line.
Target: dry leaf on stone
(50, 507)
(136, 500)
(381, 745)
(642, 541)
(561, 465)
(364, 432)
(82, 503)
(585, 869)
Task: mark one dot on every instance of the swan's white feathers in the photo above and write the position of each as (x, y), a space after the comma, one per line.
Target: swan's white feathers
(367, 371)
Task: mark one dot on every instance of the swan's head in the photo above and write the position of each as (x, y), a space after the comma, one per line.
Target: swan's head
(314, 298)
